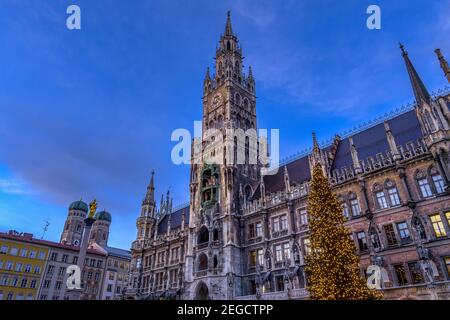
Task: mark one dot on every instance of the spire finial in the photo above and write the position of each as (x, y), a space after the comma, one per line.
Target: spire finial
(420, 91)
(228, 29)
(402, 48)
(444, 64)
(315, 143)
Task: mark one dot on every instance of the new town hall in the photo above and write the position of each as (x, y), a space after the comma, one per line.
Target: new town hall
(245, 236)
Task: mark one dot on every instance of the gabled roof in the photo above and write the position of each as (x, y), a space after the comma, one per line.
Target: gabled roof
(176, 220)
(405, 128)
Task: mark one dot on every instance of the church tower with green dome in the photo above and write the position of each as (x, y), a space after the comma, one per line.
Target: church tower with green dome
(100, 229)
(73, 228)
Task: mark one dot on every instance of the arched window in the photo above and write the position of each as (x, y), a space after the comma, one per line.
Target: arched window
(245, 104)
(203, 235)
(438, 182)
(354, 204)
(392, 193)
(228, 45)
(202, 263)
(423, 184)
(237, 99)
(216, 234)
(380, 197)
(215, 262)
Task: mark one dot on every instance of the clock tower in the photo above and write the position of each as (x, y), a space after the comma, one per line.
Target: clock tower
(224, 171)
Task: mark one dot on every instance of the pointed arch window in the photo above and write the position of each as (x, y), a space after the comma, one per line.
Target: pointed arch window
(380, 196)
(354, 204)
(423, 184)
(438, 182)
(392, 192)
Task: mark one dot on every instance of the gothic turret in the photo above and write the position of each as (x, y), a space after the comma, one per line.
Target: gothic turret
(420, 91)
(147, 218)
(432, 116)
(148, 204)
(444, 64)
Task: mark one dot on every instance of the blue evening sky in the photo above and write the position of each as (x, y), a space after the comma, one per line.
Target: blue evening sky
(89, 113)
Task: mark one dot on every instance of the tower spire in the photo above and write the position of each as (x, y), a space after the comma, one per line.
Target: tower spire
(420, 91)
(228, 29)
(150, 195)
(444, 64)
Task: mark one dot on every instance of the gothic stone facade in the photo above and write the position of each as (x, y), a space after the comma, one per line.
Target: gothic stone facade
(245, 236)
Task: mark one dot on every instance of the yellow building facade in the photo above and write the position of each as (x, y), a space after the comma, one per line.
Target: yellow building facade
(22, 263)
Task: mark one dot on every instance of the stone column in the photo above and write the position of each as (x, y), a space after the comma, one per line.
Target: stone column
(76, 294)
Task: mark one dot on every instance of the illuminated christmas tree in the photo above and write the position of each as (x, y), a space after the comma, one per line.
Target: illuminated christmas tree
(332, 265)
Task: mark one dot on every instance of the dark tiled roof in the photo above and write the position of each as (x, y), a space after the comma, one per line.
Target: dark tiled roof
(368, 143)
(298, 170)
(176, 220)
(117, 252)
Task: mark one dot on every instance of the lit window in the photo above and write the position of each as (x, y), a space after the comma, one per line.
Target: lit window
(438, 183)
(252, 258)
(425, 189)
(438, 226)
(447, 264)
(381, 199)
(390, 235)
(393, 196)
(415, 272)
(401, 275)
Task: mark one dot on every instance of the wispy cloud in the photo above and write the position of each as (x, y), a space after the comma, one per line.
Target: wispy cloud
(12, 187)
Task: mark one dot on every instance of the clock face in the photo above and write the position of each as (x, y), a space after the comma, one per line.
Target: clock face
(216, 101)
